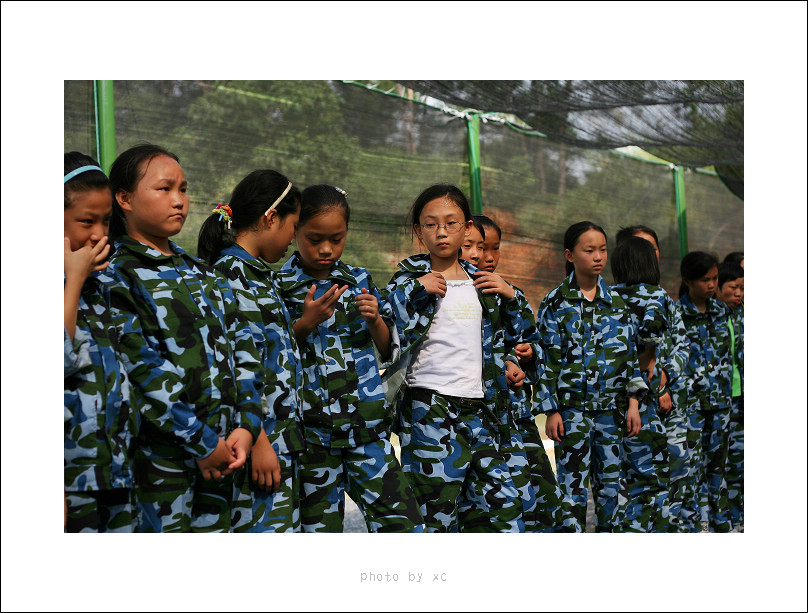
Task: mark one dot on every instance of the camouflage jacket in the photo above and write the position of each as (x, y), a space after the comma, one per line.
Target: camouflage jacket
(100, 425)
(521, 399)
(342, 399)
(709, 369)
(260, 303)
(414, 308)
(189, 353)
(674, 351)
(590, 356)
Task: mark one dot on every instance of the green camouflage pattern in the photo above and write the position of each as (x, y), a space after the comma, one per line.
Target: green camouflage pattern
(590, 356)
(255, 510)
(371, 476)
(197, 373)
(451, 451)
(100, 423)
(342, 398)
(101, 511)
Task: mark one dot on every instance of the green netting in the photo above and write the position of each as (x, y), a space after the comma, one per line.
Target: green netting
(384, 149)
(714, 217)
(534, 189)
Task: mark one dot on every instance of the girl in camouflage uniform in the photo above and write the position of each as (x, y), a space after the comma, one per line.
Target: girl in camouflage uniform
(730, 291)
(240, 239)
(708, 395)
(100, 424)
(526, 355)
(340, 322)
(187, 350)
(646, 467)
(591, 382)
(667, 383)
(453, 410)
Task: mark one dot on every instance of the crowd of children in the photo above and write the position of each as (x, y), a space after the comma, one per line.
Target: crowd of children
(215, 394)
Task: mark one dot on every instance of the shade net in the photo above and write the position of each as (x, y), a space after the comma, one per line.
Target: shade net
(384, 150)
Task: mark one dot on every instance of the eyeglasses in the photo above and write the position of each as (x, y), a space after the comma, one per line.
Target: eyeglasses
(452, 227)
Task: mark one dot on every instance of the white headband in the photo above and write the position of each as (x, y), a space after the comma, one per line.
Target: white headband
(281, 197)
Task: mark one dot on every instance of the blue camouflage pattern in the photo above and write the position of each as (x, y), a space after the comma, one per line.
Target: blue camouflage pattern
(344, 409)
(736, 432)
(342, 398)
(260, 303)
(101, 424)
(645, 483)
(198, 375)
(708, 396)
(591, 366)
(463, 454)
(370, 475)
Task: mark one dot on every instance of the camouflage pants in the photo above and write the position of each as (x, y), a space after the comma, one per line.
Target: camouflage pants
(645, 481)
(172, 496)
(680, 470)
(735, 462)
(590, 450)
(515, 452)
(452, 457)
(708, 492)
(545, 485)
(101, 511)
(371, 476)
(255, 510)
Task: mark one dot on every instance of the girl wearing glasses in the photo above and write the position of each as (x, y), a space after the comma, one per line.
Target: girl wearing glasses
(455, 328)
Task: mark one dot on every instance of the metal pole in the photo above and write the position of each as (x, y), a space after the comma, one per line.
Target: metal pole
(105, 123)
(473, 126)
(681, 209)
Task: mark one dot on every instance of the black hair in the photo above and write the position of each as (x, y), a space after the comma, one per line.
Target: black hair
(439, 190)
(317, 199)
(250, 200)
(478, 224)
(126, 172)
(729, 271)
(634, 261)
(736, 257)
(694, 266)
(86, 181)
(487, 222)
(572, 235)
(624, 233)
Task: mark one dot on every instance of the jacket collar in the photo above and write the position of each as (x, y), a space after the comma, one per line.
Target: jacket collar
(237, 251)
(420, 263)
(136, 247)
(570, 289)
(291, 275)
(714, 307)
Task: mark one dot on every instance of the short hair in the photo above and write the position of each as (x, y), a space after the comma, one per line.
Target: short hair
(634, 262)
(736, 257)
(487, 222)
(624, 233)
(729, 271)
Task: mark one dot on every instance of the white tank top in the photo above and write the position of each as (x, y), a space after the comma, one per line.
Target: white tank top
(449, 359)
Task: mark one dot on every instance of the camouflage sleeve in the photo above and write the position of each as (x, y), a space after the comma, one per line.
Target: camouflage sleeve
(408, 301)
(654, 322)
(249, 365)
(549, 333)
(77, 352)
(530, 335)
(675, 351)
(387, 315)
(157, 380)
